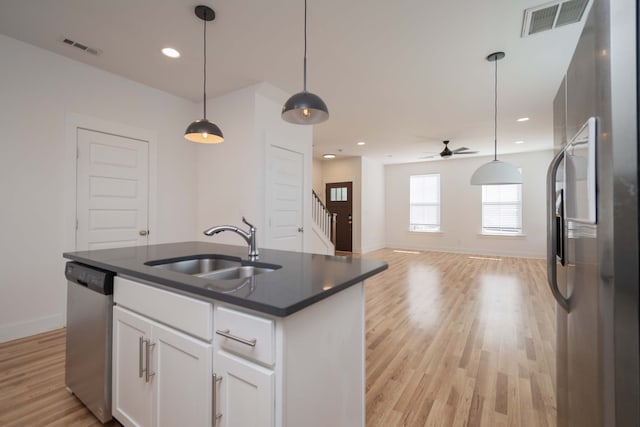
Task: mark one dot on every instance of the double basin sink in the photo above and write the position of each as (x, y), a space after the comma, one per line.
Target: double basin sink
(214, 267)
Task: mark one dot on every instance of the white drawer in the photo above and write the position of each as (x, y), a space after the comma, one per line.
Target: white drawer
(178, 311)
(247, 330)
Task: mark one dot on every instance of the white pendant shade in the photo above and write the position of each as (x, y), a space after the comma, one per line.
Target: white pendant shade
(496, 173)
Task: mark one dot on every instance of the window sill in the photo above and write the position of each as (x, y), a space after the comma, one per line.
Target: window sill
(436, 232)
(500, 235)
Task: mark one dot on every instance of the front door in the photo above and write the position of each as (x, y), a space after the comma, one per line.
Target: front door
(339, 201)
(112, 191)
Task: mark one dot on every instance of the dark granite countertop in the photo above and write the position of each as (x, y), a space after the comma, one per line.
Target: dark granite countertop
(304, 279)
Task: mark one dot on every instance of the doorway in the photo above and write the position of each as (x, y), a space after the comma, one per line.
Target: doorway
(340, 202)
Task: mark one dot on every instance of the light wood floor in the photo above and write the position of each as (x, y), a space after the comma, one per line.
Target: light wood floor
(451, 341)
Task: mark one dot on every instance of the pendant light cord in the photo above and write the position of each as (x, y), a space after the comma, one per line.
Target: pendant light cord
(204, 89)
(495, 114)
(305, 46)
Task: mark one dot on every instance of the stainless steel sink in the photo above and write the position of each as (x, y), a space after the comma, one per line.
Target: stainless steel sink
(213, 267)
(236, 272)
(196, 266)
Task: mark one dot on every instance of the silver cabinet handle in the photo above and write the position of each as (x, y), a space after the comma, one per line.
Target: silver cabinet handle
(140, 370)
(226, 334)
(143, 232)
(214, 407)
(147, 373)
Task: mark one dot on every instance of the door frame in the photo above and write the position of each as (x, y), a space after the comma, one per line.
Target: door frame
(73, 121)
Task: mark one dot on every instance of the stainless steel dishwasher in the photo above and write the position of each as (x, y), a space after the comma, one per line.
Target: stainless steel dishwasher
(89, 325)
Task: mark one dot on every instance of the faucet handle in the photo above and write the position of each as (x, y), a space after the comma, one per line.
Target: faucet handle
(248, 223)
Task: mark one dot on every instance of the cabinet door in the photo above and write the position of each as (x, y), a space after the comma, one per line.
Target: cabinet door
(132, 396)
(183, 379)
(245, 394)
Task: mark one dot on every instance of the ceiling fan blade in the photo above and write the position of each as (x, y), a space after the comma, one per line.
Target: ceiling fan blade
(457, 150)
(466, 152)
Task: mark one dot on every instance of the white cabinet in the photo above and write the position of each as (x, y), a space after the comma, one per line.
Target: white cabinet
(245, 393)
(172, 367)
(183, 379)
(161, 376)
(306, 369)
(132, 395)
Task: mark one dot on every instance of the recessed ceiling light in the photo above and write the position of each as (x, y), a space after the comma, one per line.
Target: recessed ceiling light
(360, 143)
(170, 52)
(518, 142)
(329, 156)
(523, 119)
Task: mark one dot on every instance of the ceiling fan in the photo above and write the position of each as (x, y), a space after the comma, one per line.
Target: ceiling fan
(447, 152)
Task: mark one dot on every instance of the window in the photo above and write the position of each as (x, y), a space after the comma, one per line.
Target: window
(502, 209)
(424, 203)
(338, 194)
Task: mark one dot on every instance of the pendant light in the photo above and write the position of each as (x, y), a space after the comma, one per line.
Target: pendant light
(305, 108)
(496, 172)
(204, 131)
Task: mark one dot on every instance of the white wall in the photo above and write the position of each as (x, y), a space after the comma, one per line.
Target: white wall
(232, 175)
(38, 90)
(373, 206)
(461, 217)
(226, 188)
(317, 179)
(345, 170)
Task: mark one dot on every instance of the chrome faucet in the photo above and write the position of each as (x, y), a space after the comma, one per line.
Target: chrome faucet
(250, 237)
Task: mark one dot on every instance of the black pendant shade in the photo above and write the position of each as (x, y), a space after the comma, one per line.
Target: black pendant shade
(305, 108)
(202, 130)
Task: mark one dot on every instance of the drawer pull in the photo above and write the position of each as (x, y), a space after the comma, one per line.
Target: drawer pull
(226, 334)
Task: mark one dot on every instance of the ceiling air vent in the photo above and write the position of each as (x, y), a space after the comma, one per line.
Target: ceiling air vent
(552, 15)
(82, 47)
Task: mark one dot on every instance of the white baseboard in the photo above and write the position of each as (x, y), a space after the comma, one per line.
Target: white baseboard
(474, 251)
(31, 327)
(372, 248)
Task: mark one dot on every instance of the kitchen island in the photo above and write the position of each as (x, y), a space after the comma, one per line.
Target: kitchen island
(282, 345)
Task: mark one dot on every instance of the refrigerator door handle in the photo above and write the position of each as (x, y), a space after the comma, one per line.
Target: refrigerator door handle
(552, 231)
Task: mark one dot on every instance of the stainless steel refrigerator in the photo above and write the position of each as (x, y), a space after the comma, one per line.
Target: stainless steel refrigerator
(592, 204)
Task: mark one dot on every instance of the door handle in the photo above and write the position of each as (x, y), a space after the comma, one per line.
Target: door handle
(140, 368)
(214, 413)
(147, 371)
(552, 232)
(300, 230)
(143, 232)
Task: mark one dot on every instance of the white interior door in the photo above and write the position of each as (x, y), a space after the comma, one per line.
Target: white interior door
(112, 191)
(285, 198)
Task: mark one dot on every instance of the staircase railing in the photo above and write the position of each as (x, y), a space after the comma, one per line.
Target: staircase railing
(324, 219)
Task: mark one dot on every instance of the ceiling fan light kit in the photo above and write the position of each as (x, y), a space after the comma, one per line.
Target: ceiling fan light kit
(496, 172)
(305, 108)
(203, 131)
